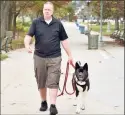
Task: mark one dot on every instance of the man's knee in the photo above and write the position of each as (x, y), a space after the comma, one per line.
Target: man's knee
(53, 81)
(52, 86)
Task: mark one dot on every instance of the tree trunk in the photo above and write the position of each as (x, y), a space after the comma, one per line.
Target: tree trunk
(14, 25)
(10, 18)
(5, 6)
(98, 22)
(37, 14)
(23, 20)
(14, 19)
(117, 23)
(31, 17)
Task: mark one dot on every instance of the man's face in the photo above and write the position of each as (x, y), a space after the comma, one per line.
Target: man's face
(47, 10)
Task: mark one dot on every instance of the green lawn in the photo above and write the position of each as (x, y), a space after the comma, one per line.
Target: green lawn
(104, 29)
(3, 57)
(96, 27)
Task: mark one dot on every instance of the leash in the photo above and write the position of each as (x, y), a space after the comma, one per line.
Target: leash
(65, 81)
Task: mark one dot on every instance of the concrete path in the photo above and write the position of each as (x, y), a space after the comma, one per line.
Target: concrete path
(19, 94)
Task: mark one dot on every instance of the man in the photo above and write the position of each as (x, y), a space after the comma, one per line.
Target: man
(48, 32)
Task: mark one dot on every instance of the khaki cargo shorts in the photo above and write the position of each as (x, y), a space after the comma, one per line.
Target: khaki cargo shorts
(47, 71)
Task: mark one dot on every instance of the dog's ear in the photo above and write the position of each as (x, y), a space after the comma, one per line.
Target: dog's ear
(77, 65)
(85, 67)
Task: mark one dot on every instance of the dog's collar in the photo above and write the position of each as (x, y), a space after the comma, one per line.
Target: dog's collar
(80, 83)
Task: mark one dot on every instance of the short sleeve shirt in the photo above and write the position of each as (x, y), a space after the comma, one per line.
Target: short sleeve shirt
(47, 37)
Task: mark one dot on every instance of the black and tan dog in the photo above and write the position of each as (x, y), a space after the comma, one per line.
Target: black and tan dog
(82, 85)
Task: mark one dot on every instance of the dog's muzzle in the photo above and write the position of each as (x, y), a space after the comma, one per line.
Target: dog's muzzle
(79, 80)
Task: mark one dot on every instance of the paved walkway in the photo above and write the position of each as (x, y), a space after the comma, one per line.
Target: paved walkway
(19, 94)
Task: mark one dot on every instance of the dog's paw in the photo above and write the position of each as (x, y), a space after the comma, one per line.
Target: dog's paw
(78, 111)
(74, 104)
(83, 107)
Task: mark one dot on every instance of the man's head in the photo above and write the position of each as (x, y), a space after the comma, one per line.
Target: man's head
(48, 9)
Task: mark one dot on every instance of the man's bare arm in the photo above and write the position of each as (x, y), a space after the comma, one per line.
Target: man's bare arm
(65, 44)
(27, 41)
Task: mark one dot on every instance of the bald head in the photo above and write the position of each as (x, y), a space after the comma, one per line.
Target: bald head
(48, 9)
(49, 3)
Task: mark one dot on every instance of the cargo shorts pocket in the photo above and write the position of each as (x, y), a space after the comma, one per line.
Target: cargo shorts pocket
(36, 76)
(54, 72)
(36, 72)
(53, 79)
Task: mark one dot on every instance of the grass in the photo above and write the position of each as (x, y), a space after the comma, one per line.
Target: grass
(19, 43)
(96, 27)
(104, 29)
(3, 57)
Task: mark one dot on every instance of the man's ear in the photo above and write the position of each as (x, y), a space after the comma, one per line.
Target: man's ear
(77, 65)
(85, 67)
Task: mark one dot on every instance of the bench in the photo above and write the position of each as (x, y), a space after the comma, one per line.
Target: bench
(115, 34)
(6, 43)
(120, 37)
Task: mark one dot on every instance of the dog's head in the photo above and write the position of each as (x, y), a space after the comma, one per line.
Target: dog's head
(81, 72)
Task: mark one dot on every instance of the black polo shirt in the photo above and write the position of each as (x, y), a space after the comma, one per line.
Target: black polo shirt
(47, 37)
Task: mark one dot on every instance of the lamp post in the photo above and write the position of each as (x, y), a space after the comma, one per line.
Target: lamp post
(101, 16)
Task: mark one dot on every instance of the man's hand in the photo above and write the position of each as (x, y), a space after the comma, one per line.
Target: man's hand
(29, 49)
(27, 41)
(70, 60)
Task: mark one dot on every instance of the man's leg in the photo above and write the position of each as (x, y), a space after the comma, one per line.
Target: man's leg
(53, 95)
(54, 72)
(43, 93)
(41, 75)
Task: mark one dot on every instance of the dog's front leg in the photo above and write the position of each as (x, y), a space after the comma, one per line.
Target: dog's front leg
(84, 95)
(83, 104)
(75, 101)
(79, 103)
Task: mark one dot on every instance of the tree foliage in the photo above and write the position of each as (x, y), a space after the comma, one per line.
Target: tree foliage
(10, 10)
(110, 8)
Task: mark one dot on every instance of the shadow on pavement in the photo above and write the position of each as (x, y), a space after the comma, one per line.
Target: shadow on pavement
(115, 43)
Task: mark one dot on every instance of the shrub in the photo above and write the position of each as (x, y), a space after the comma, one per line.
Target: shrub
(19, 43)
(23, 26)
(3, 57)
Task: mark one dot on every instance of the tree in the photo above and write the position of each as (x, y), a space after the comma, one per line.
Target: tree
(4, 11)
(111, 9)
(11, 9)
(18, 7)
(71, 12)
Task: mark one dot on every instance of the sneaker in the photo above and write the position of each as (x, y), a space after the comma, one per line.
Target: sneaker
(53, 110)
(44, 106)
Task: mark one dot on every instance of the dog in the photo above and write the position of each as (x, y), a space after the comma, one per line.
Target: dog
(82, 85)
